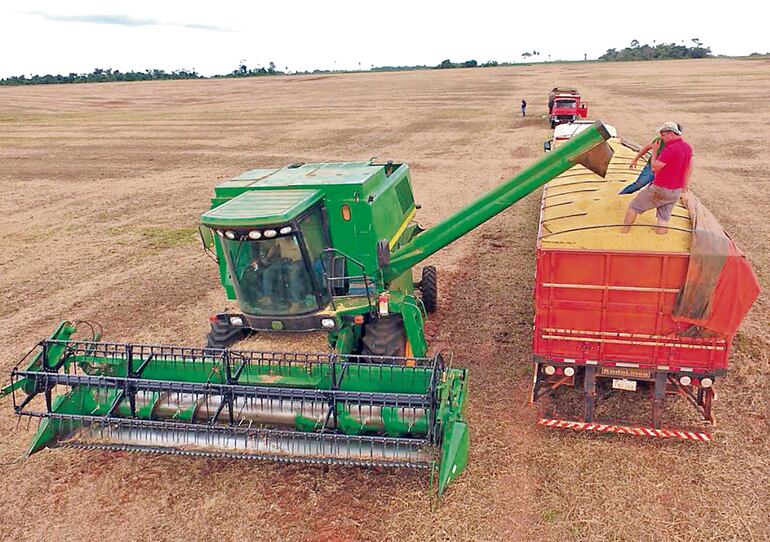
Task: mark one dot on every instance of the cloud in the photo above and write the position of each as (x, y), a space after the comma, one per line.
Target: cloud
(124, 20)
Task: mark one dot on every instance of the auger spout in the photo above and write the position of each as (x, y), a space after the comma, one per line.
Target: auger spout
(587, 149)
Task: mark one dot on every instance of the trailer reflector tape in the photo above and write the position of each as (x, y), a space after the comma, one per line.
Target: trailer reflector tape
(626, 430)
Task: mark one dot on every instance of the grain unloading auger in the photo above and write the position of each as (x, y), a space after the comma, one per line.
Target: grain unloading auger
(306, 247)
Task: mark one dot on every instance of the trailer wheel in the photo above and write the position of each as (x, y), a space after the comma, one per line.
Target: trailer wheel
(384, 337)
(429, 288)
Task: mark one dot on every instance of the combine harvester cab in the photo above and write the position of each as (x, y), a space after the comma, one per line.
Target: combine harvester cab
(305, 247)
(636, 312)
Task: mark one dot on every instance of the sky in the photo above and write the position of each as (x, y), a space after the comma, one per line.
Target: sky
(41, 37)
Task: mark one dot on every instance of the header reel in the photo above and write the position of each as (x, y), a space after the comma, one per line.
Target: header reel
(280, 406)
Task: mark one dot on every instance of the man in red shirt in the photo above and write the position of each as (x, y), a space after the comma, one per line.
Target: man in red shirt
(672, 169)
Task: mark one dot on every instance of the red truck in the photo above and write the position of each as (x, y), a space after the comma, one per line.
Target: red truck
(636, 313)
(565, 106)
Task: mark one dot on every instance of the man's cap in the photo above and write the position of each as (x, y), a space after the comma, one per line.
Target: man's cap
(670, 127)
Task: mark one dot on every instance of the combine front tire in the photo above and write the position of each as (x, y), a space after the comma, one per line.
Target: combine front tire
(429, 288)
(223, 334)
(384, 337)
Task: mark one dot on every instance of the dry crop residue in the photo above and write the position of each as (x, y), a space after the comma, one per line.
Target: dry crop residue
(87, 168)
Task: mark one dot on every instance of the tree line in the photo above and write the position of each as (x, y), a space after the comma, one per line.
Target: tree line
(660, 51)
(100, 75)
(635, 51)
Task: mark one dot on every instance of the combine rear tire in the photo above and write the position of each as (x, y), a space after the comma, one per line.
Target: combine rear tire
(384, 337)
(429, 288)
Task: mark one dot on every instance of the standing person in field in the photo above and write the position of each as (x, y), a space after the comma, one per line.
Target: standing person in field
(646, 175)
(672, 169)
(523, 108)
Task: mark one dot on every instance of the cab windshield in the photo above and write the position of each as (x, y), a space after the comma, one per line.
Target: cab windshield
(270, 276)
(566, 103)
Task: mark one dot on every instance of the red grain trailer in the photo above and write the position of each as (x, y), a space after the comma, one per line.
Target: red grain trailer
(637, 312)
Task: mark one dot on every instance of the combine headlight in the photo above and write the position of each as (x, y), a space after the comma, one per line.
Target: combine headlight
(328, 323)
(706, 382)
(220, 233)
(285, 230)
(254, 234)
(569, 371)
(236, 321)
(685, 380)
(549, 370)
(270, 233)
(230, 234)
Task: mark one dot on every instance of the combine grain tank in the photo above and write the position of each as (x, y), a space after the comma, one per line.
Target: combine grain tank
(636, 312)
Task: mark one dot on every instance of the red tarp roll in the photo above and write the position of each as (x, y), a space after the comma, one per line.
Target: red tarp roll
(720, 286)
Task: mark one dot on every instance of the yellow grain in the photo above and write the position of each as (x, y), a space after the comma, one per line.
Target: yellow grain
(583, 211)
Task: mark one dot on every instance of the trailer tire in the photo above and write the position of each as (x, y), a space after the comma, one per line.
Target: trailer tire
(384, 337)
(429, 288)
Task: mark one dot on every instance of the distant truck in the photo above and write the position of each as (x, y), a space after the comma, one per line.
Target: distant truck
(565, 106)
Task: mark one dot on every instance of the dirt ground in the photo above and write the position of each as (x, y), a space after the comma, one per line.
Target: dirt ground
(102, 185)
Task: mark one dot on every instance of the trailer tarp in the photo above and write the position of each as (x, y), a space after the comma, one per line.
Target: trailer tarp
(720, 286)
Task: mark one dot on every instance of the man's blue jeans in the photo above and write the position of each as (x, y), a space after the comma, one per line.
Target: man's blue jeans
(645, 178)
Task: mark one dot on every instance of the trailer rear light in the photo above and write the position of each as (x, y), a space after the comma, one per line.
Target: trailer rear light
(549, 370)
(346, 214)
(255, 234)
(685, 380)
(706, 382)
(236, 321)
(569, 371)
(382, 302)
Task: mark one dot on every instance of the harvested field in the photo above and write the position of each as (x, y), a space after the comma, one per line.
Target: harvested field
(102, 186)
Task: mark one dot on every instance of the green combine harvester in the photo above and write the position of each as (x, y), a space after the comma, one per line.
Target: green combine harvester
(305, 247)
